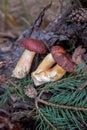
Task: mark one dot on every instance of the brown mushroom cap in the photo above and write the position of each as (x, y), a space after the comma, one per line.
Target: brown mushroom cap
(58, 49)
(33, 45)
(62, 59)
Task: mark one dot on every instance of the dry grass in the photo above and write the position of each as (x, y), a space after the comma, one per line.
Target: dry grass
(19, 14)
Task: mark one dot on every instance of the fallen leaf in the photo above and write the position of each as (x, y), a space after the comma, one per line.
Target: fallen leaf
(77, 56)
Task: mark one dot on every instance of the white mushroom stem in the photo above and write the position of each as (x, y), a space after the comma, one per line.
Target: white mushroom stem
(45, 64)
(24, 64)
(49, 75)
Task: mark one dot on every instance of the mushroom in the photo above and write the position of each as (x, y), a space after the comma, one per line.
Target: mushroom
(64, 64)
(32, 47)
(48, 61)
(63, 60)
(45, 64)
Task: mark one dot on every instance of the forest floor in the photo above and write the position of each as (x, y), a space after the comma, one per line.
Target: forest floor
(58, 105)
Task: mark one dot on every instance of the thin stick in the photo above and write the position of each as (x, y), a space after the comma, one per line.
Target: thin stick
(61, 6)
(37, 107)
(62, 106)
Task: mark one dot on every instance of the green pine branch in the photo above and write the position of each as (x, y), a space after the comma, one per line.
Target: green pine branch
(66, 107)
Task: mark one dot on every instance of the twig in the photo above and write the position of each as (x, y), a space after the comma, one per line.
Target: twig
(36, 24)
(38, 21)
(62, 106)
(37, 107)
(19, 105)
(61, 6)
(41, 92)
(25, 20)
(8, 34)
(20, 114)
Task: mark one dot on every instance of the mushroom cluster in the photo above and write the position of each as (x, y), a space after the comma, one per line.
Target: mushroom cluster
(53, 67)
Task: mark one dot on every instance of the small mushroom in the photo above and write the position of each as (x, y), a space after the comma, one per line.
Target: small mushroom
(58, 55)
(32, 47)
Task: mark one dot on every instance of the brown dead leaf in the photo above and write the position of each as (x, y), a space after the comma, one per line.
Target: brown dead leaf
(77, 56)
